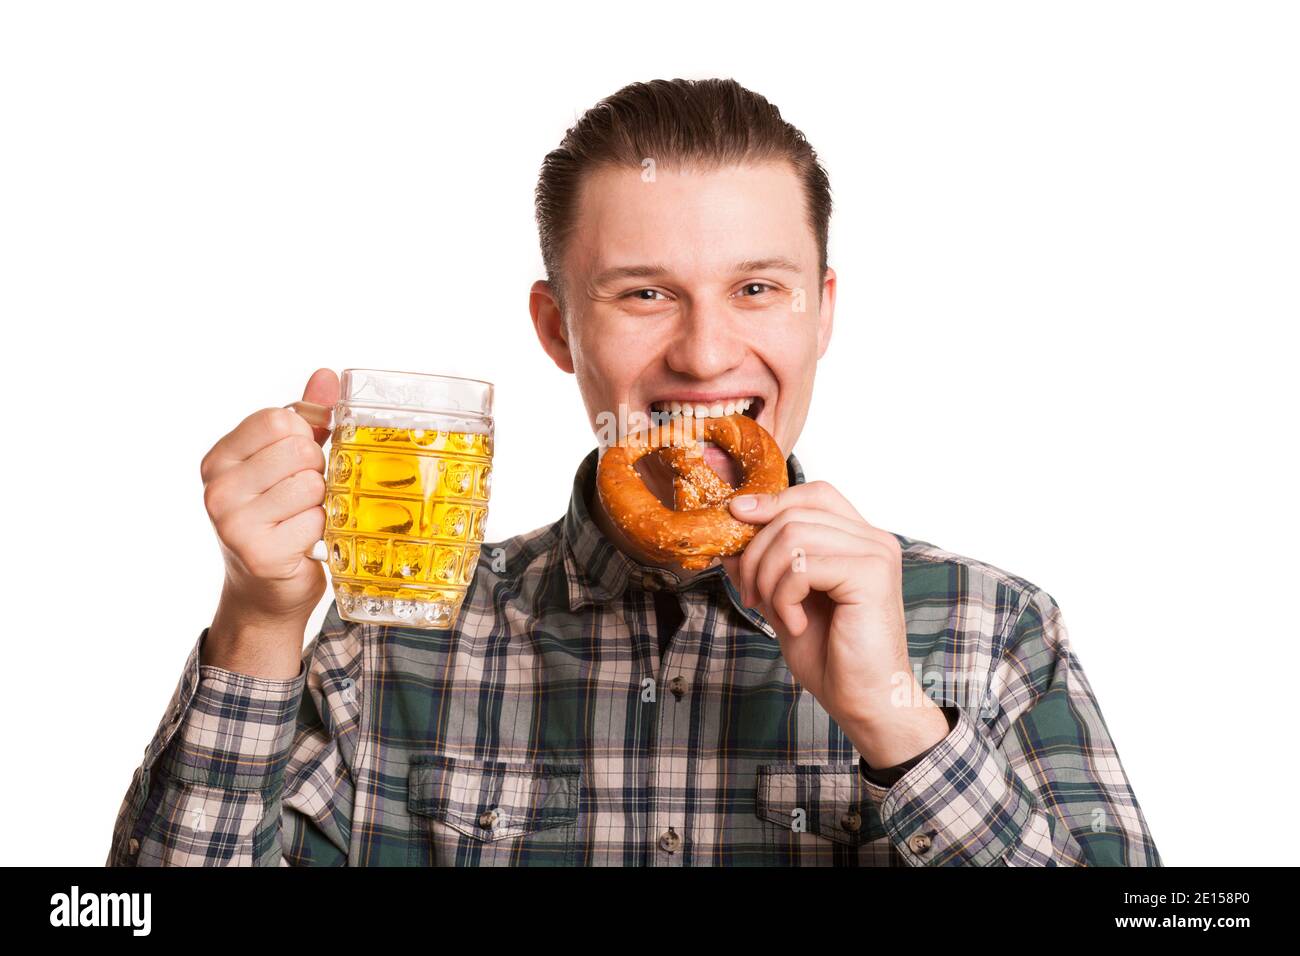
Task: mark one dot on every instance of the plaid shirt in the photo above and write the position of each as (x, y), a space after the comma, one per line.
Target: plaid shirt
(545, 728)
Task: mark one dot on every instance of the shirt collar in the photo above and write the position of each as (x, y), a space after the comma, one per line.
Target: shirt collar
(597, 571)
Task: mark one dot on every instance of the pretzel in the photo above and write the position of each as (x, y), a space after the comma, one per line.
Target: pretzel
(695, 484)
(701, 528)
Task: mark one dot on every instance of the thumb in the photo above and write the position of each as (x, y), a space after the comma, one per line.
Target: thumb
(322, 389)
(755, 508)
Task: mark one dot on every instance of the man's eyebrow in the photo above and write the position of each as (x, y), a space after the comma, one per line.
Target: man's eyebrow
(771, 262)
(652, 271)
(629, 272)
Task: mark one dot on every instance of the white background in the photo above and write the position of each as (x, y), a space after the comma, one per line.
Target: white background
(1066, 236)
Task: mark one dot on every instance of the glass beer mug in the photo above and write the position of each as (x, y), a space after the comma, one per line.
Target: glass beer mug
(408, 479)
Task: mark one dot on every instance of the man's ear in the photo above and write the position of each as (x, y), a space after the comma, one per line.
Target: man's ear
(548, 321)
(826, 316)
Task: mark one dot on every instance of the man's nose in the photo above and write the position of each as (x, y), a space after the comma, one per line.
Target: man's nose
(705, 342)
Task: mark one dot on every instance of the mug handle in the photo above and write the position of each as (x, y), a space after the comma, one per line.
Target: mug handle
(319, 416)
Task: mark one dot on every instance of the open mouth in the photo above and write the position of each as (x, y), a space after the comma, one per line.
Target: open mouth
(669, 410)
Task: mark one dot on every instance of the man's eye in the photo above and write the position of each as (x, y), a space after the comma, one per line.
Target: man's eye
(748, 288)
(643, 295)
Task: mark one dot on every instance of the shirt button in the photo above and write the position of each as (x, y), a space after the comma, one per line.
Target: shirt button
(918, 843)
(133, 847)
(670, 841)
(852, 821)
(487, 819)
(678, 686)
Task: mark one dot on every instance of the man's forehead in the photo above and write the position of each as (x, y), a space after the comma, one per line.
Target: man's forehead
(691, 218)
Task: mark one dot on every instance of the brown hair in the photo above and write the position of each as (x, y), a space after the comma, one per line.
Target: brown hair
(707, 123)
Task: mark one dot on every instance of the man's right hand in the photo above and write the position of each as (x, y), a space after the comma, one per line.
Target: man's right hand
(264, 490)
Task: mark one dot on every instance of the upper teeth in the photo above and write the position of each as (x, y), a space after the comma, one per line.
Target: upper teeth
(701, 410)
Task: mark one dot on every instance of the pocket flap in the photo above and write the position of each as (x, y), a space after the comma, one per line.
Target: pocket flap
(491, 799)
(827, 800)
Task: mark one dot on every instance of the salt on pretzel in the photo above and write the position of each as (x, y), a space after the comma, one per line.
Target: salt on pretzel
(694, 536)
(695, 484)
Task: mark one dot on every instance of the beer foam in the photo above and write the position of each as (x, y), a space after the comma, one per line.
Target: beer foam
(428, 421)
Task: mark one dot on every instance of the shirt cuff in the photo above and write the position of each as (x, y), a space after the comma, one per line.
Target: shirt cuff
(229, 730)
(888, 776)
(959, 805)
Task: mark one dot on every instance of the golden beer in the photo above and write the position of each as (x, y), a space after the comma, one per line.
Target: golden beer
(406, 506)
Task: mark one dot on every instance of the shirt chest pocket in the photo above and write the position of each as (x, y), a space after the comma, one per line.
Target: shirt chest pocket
(820, 813)
(491, 813)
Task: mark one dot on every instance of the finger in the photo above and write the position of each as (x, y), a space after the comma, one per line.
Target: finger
(765, 539)
(796, 543)
(277, 551)
(812, 494)
(787, 600)
(276, 462)
(753, 552)
(260, 429)
(826, 500)
(817, 516)
(303, 529)
(245, 480)
(841, 577)
(287, 498)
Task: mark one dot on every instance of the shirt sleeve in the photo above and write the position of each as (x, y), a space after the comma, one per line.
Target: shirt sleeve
(233, 777)
(1030, 779)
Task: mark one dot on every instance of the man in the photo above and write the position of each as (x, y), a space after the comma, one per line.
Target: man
(835, 695)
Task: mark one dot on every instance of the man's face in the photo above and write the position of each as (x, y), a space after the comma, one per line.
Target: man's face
(696, 287)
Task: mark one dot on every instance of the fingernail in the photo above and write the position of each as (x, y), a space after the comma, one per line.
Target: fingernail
(745, 503)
